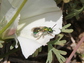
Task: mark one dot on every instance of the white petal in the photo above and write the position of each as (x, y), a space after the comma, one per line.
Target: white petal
(10, 31)
(48, 19)
(7, 12)
(10, 14)
(36, 13)
(58, 26)
(15, 4)
(37, 7)
(5, 6)
(28, 46)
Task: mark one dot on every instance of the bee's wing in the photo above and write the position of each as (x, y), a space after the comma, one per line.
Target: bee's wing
(34, 28)
(39, 35)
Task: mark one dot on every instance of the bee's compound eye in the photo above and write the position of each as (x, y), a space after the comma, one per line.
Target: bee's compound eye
(36, 30)
(50, 30)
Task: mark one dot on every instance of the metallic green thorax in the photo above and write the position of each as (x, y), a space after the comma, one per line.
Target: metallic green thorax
(47, 29)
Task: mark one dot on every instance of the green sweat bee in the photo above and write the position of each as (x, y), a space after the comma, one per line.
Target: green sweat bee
(42, 31)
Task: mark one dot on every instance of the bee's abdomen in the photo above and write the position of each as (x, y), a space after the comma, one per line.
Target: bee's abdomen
(36, 30)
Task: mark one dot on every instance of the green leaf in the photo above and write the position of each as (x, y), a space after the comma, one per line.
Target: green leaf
(77, 16)
(62, 52)
(11, 47)
(74, 13)
(49, 57)
(1, 43)
(56, 40)
(58, 54)
(67, 30)
(73, 6)
(36, 52)
(70, 15)
(82, 1)
(62, 42)
(60, 36)
(60, 58)
(66, 26)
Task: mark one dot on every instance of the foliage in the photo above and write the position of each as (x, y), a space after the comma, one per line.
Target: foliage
(60, 42)
(73, 8)
(64, 29)
(52, 46)
(58, 54)
(1, 43)
(37, 51)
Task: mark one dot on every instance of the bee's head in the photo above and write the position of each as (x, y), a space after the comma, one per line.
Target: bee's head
(50, 30)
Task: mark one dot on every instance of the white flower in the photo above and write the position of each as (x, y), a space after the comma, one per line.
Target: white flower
(36, 14)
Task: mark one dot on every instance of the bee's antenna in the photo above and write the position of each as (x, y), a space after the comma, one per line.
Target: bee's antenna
(54, 25)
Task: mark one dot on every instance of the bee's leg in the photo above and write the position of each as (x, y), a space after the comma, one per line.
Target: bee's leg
(43, 35)
(50, 34)
(39, 36)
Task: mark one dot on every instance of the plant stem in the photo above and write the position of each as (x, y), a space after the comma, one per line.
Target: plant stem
(75, 49)
(10, 52)
(14, 17)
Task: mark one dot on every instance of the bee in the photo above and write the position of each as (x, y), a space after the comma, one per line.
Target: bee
(42, 31)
